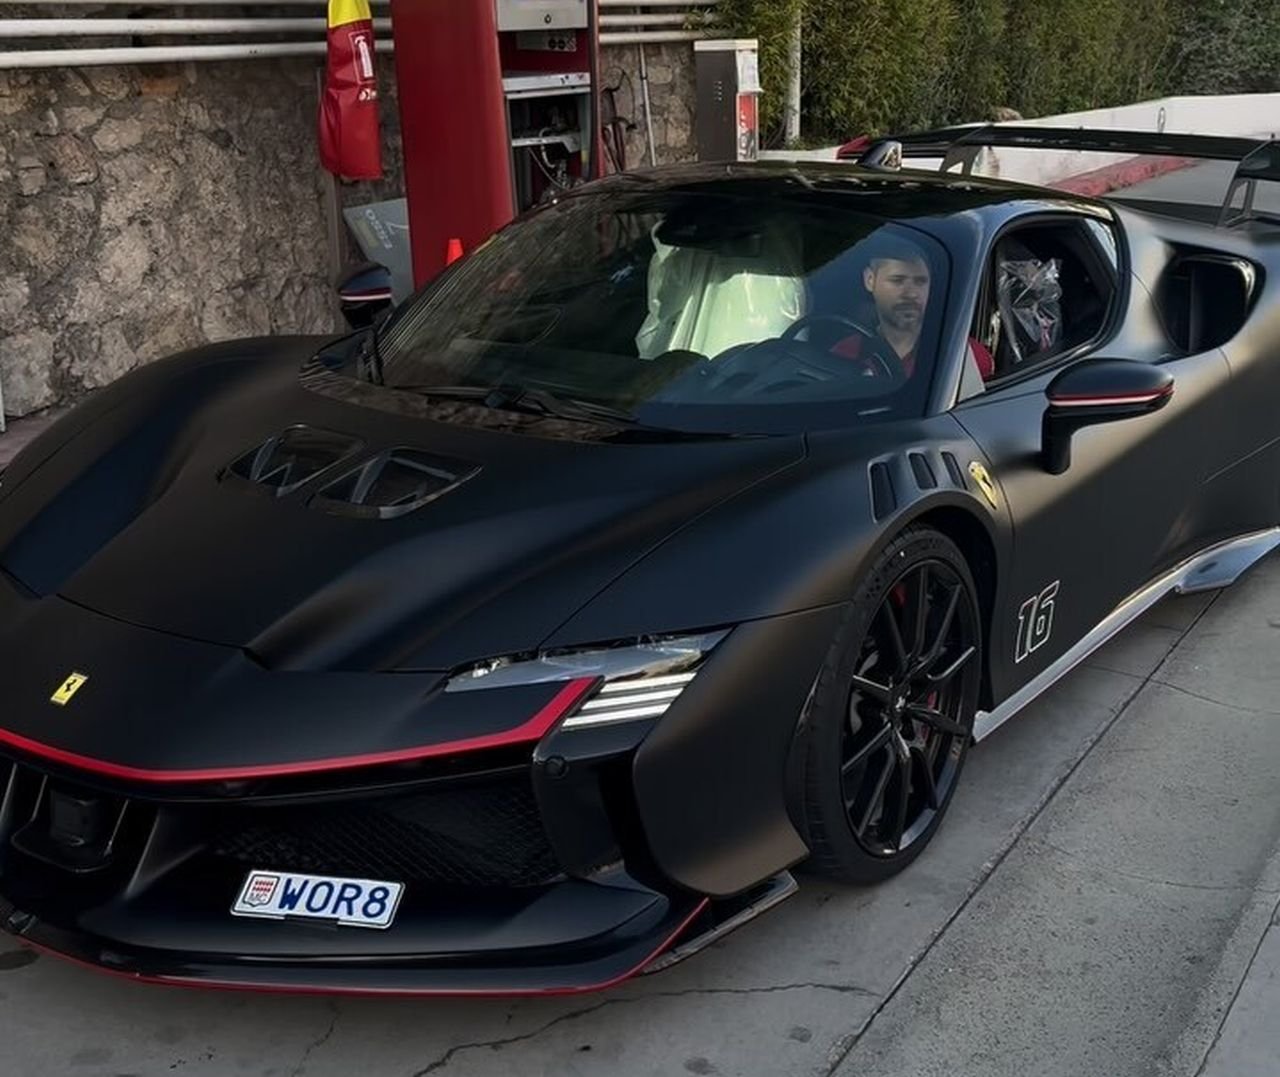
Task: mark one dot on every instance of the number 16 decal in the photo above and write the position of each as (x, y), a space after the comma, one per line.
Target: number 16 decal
(1035, 622)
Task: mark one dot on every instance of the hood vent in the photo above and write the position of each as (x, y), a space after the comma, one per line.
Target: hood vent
(391, 484)
(286, 461)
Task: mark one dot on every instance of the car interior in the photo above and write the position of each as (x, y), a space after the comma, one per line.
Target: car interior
(1049, 291)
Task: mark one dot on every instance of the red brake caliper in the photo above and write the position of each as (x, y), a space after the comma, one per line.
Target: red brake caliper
(931, 701)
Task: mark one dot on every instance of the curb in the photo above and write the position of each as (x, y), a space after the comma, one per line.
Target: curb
(1123, 174)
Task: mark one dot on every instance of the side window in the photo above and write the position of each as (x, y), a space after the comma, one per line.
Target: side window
(1050, 288)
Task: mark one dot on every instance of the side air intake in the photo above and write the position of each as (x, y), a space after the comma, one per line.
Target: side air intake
(391, 484)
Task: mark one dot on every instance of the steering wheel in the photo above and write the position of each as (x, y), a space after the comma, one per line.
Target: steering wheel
(871, 355)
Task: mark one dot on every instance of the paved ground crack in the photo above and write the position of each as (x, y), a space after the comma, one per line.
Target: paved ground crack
(497, 1045)
(301, 1067)
(845, 1046)
(1108, 869)
(1215, 702)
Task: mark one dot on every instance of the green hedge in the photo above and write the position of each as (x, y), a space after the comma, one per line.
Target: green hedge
(876, 65)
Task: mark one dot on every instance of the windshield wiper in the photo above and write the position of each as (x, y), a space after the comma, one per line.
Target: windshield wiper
(523, 398)
(369, 358)
(512, 397)
(572, 406)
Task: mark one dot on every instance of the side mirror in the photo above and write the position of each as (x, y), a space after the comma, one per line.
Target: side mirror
(1098, 391)
(364, 292)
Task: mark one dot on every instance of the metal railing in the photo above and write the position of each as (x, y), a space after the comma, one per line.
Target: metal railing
(641, 23)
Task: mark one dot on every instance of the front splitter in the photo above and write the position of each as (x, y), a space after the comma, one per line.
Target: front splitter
(405, 976)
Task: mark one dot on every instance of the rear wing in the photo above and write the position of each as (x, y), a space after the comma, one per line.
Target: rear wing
(1257, 159)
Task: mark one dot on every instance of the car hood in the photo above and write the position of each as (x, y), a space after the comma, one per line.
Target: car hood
(140, 515)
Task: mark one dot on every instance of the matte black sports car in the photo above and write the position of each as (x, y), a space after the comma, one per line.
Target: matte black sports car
(690, 529)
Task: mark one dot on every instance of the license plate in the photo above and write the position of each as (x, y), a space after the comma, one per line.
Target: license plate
(277, 895)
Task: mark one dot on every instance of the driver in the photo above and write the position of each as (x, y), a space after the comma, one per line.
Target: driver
(897, 281)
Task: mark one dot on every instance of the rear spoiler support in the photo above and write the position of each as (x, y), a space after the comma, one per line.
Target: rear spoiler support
(1263, 163)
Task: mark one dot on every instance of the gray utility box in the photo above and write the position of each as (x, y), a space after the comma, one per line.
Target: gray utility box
(540, 14)
(728, 86)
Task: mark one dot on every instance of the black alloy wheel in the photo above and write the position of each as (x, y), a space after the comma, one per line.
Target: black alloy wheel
(907, 729)
(893, 714)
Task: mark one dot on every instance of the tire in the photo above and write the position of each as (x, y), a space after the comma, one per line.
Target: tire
(891, 716)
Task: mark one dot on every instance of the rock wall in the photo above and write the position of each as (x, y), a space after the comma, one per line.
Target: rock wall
(671, 97)
(144, 210)
(148, 209)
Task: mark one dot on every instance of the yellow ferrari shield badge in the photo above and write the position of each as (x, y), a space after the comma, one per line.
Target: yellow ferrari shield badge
(68, 688)
(985, 484)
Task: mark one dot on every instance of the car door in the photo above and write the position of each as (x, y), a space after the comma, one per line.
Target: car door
(1128, 504)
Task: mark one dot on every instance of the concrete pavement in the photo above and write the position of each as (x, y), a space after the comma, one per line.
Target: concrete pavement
(1247, 1042)
(1091, 906)
(1114, 936)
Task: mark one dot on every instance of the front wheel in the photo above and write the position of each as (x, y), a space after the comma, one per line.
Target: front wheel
(892, 714)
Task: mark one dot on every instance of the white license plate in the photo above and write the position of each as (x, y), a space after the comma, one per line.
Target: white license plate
(275, 895)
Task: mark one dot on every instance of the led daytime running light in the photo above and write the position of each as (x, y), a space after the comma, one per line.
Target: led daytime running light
(639, 680)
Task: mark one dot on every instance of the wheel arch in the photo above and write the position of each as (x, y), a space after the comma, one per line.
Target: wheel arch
(973, 537)
(969, 533)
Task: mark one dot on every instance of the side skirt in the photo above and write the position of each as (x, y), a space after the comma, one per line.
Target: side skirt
(1208, 570)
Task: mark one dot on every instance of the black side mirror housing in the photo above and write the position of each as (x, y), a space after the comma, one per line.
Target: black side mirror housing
(1098, 391)
(364, 292)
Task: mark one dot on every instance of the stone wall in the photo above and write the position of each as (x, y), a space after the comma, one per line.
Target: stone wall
(148, 209)
(671, 96)
(144, 210)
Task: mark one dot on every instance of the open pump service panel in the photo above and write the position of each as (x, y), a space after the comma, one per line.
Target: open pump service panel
(546, 49)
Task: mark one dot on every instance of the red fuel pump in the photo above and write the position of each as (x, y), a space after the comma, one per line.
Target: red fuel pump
(498, 110)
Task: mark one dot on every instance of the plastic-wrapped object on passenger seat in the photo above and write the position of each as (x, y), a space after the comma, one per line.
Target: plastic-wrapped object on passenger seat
(1030, 300)
(710, 292)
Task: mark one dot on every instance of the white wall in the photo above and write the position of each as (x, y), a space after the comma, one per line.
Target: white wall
(1238, 114)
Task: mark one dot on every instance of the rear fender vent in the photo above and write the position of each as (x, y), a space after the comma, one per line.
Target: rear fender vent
(391, 484)
(292, 458)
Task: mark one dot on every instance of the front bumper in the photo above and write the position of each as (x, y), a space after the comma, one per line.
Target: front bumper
(563, 860)
(147, 893)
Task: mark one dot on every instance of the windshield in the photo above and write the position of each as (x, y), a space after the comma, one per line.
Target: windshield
(688, 310)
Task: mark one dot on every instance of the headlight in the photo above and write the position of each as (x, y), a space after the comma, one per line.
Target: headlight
(636, 680)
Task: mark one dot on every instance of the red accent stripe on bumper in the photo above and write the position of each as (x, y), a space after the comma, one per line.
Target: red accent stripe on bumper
(528, 732)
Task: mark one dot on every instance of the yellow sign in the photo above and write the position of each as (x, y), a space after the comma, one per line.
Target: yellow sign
(68, 688)
(985, 483)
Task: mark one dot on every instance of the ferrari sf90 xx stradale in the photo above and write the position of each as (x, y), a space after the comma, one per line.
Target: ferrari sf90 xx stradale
(690, 529)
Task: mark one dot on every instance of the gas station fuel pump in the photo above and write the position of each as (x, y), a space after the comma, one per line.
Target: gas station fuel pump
(497, 112)
(548, 54)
